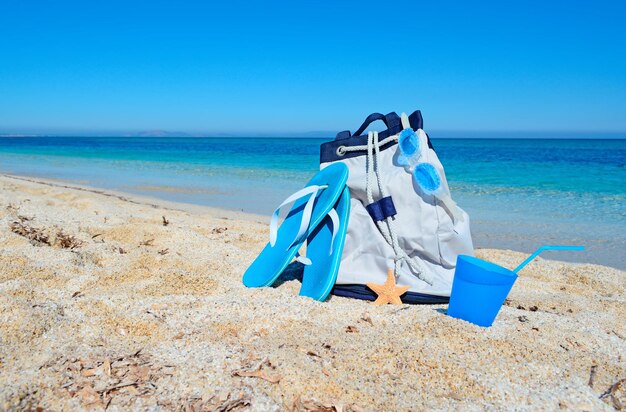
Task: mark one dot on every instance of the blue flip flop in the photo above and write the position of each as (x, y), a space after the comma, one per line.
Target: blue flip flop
(324, 249)
(310, 207)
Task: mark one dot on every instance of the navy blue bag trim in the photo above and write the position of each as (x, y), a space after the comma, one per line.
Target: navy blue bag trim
(381, 209)
(363, 292)
(328, 151)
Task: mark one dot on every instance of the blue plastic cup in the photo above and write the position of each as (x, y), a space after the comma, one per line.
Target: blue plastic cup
(479, 289)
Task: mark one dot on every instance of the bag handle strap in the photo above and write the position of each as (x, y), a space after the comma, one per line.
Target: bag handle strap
(391, 120)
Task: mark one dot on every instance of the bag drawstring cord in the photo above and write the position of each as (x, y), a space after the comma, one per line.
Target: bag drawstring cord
(387, 229)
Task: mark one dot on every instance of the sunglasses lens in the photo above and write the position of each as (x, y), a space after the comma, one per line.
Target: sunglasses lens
(427, 177)
(408, 142)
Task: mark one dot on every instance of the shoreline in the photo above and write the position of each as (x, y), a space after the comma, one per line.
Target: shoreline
(154, 202)
(497, 239)
(107, 304)
(508, 208)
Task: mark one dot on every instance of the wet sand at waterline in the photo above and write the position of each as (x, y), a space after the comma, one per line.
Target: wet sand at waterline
(119, 302)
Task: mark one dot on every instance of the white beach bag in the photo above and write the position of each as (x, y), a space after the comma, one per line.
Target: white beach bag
(394, 223)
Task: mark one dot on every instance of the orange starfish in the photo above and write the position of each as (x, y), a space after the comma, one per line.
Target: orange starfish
(389, 292)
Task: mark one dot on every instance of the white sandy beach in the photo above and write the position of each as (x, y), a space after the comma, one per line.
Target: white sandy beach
(103, 305)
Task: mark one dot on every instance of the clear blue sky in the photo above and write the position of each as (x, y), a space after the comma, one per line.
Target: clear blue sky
(295, 66)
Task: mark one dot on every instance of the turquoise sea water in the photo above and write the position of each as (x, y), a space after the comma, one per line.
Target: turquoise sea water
(519, 193)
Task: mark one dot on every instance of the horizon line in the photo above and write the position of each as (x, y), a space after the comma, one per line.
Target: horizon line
(464, 135)
(436, 133)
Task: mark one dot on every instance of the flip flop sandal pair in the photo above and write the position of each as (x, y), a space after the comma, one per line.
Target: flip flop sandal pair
(319, 216)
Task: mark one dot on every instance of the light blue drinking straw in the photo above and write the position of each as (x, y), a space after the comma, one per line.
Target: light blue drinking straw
(541, 249)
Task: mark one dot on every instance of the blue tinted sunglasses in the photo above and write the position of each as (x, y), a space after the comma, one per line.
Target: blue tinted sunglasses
(425, 174)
